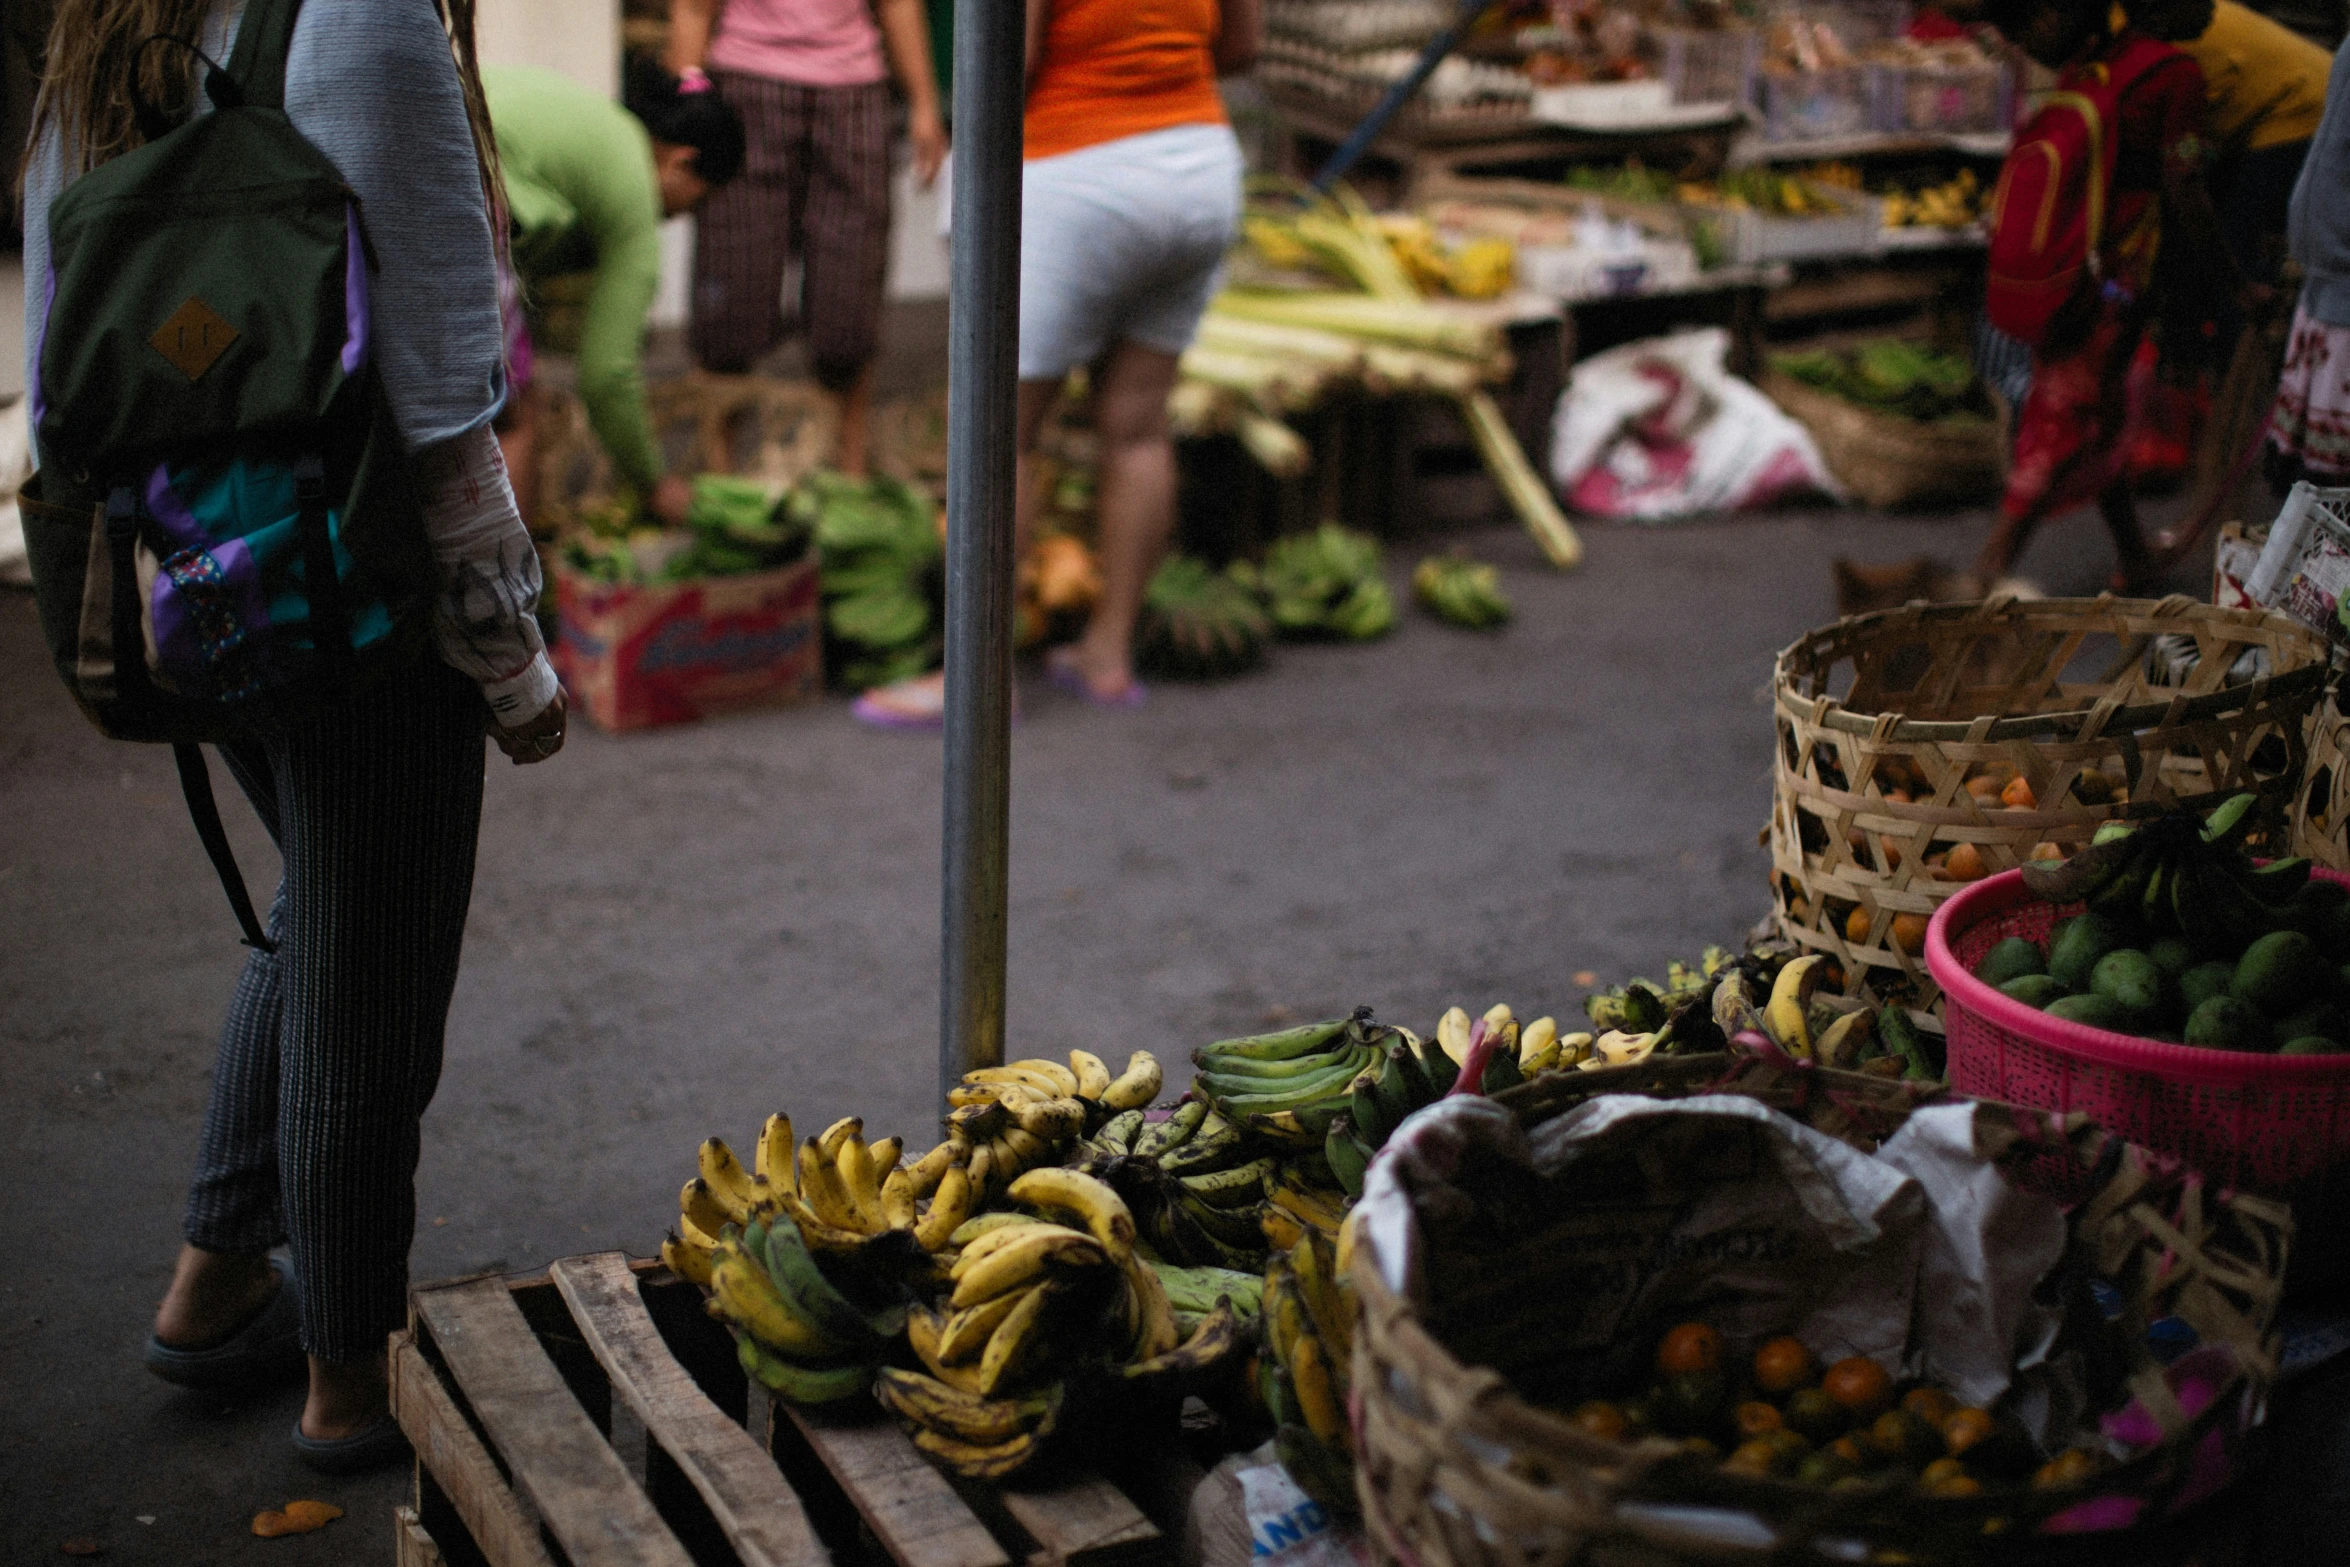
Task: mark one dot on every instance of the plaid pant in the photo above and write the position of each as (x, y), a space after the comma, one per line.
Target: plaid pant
(815, 183)
(332, 1046)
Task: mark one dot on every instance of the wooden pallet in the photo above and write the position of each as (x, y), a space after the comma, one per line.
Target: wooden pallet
(595, 1415)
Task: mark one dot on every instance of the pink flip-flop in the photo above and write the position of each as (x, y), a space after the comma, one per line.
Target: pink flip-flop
(1067, 677)
(874, 707)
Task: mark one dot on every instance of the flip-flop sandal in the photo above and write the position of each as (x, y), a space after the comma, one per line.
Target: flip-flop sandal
(875, 708)
(267, 1349)
(1067, 677)
(370, 1447)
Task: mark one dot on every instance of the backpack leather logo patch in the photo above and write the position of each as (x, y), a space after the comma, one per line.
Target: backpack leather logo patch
(194, 338)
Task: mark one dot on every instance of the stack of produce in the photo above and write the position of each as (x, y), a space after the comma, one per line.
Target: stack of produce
(1199, 623)
(1406, 1076)
(879, 548)
(1953, 203)
(1194, 1181)
(734, 526)
(795, 1330)
(1304, 1369)
(1461, 592)
(2187, 939)
(1324, 584)
(1893, 375)
(1781, 1414)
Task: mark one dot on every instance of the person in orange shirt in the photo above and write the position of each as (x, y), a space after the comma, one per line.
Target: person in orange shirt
(1131, 195)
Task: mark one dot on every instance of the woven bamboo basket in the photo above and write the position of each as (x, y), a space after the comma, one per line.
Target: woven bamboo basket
(1916, 700)
(1455, 1469)
(2321, 808)
(1888, 461)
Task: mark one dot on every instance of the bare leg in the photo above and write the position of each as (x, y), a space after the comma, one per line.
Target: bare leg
(2007, 541)
(852, 452)
(1137, 506)
(346, 1397)
(212, 1295)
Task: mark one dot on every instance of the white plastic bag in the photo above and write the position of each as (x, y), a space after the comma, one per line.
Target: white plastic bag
(1286, 1527)
(1660, 429)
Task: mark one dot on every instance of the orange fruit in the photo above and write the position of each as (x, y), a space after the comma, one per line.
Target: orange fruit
(2068, 1468)
(1965, 1428)
(1756, 1418)
(1602, 1419)
(1860, 1385)
(1782, 1366)
(1850, 1450)
(1757, 1457)
(1983, 787)
(2047, 851)
(1909, 933)
(1856, 925)
(2018, 795)
(1965, 863)
(1690, 1347)
(1930, 1404)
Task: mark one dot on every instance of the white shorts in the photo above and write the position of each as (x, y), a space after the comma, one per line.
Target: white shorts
(1124, 239)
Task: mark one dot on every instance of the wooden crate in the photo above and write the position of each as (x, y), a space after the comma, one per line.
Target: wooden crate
(595, 1415)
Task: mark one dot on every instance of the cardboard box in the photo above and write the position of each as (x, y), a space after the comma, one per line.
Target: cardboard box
(637, 655)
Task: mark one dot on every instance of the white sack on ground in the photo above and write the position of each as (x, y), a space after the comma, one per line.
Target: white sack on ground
(1660, 429)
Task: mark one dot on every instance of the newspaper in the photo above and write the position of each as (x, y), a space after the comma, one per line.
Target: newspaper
(2304, 568)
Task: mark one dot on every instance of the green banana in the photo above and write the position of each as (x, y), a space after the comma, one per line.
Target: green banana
(1366, 1111)
(1211, 1148)
(1234, 1095)
(1277, 1072)
(1160, 1135)
(1230, 1188)
(1305, 1039)
(1347, 1157)
(1118, 1133)
(800, 1384)
(792, 1266)
(1237, 1227)
(2230, 820)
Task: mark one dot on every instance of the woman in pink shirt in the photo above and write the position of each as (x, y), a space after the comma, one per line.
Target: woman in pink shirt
(811, 81)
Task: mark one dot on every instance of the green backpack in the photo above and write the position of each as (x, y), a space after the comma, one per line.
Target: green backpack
(225, 534)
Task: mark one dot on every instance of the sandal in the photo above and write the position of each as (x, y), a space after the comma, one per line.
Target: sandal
(372, 1446)
(266, 1349)
(1064, 675)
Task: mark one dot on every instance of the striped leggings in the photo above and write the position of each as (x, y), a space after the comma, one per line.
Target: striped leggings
(815, 183)
(332, 1046)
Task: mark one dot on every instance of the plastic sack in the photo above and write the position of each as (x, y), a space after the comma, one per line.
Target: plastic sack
(1286, 1527)
(1659, 429)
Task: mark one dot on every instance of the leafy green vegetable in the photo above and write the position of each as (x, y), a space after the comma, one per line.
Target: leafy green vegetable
(1894, 376)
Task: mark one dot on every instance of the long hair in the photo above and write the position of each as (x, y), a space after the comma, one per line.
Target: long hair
(97, 57)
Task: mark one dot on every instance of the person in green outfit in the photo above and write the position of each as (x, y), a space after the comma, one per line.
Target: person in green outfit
(588, 183)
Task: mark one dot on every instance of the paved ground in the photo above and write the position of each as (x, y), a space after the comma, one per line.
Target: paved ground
(674, 932)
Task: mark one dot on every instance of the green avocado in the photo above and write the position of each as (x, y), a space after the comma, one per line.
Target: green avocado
(2280, 973)
(2093, 1009)
(2206, 980)
(2130, 978)
(2321, 1017)
(2033, 990)
(2309, 1045)
(2171, 955)
(2011, 959)
(2075, 946)
(2225, 1023)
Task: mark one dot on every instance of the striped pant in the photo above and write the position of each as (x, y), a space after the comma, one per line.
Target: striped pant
(332, 1046)
(815, 183)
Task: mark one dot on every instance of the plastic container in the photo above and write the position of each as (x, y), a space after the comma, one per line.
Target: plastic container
(1799, 106)
(1750, 238)
(2249, 1119)
(1712, 66)
(1935, 100)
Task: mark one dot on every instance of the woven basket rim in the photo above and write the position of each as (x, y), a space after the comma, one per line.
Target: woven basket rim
(2189, 1064)
(1830, 712)
(1973, 444)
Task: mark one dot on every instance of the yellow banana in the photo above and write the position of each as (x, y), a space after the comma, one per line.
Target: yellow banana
(1328, 1303)
(687, 1260)
(1452, 1035)
(897, 1200)
(1286, 1322)
(886, 1154)
(1309, 1374)
(934, 1406)
(982, 1168)
(854, 1165)
(1155, 1332)
(1028, 1151)
(995, 1238)
(1003, 1159)
(750, 1300)
(965, 1096)
(1281, 1227)
(1015, 1343)
(1030, 1252)
(1137, 1086)
(1548, 1059)
(981, 1461)
(1019, 1074)
(1840, 1042)
(925, 1171)
(821, 1189)
(1790, 999)
(773, 1161)
(700, 1207)
(1502, 1026)
(924, 1328)
(1345, 1260)
(1539, 1036)
(979, 1224)
(820, 1235)
(1051, 1118)
(1105, 1212)
(950, 1205)
(1063, 1080)
(694, 1235)
(1093, 1074)
(1314, 1212)
(967, 1331)
(839, 1131)
(729, 1181)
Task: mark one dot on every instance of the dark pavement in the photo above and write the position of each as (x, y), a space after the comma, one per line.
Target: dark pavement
(675, 932)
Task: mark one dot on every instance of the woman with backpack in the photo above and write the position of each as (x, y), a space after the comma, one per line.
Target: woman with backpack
(2073, 257)
(332, 1046)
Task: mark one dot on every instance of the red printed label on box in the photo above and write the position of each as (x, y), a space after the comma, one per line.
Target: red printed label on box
(667, 653)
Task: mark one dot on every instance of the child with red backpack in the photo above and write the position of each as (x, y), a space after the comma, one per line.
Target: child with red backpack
(2106, 175)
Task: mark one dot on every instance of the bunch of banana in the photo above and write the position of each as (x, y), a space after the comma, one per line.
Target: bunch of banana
(1192, 1180)
(1407, 1076)
(1195, 1293)
(1460, 591)
(1641, 1005)
(796, 1330)
(1289, 1086)
(1295, 1208)
(2175, 876)
(978, 1438)
(1309, 1316)
(1025, 1114)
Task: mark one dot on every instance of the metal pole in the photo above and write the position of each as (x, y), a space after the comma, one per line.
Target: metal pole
(982, 431)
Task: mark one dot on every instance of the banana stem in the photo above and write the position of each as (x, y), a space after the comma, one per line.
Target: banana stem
(1528, 496)
(1482, 1045)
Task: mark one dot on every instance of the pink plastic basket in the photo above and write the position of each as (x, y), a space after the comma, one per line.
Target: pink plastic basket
(2254, 1120)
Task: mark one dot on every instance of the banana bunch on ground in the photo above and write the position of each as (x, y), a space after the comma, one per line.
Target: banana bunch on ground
(2175, 876)
(1409, 1076)
(1309, 1316)
(1026, 1115)
(796, 1330)
(1460, 591)
(1327, 583)
(1199, 623)
(1193, 1180)
(1034, 1304)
